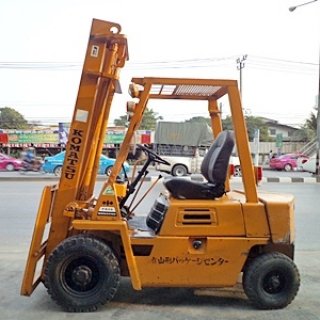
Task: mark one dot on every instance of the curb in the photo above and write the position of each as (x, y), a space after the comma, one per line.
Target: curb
(292, 180)
(269, 179)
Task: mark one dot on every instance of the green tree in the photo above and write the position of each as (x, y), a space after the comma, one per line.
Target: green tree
(121, 121)
(149, 120)
(227, 123)
(199, 119)
(303, 134)
(308, 130)
(311, 122)
(252, 124)
(12, 119)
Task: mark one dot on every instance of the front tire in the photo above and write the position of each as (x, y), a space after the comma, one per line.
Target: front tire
(271, 281)
(82, 273)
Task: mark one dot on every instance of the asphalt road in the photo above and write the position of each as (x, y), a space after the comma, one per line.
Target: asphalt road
(266, 172)
(19, 203)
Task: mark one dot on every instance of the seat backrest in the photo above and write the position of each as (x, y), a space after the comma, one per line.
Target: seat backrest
(216, 162)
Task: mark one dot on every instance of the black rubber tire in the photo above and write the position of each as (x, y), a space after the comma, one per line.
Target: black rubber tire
(237, 171)
(108, 171)
(57, 171)
(82, 273)
(287, 167)
(271, 281)
(179, 170)
(10, 167)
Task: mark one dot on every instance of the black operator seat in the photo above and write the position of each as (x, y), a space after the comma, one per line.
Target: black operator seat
(214, 168)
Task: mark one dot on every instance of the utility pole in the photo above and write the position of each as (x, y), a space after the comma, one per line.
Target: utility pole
(291, 9)
(240, 65)
(318, 127)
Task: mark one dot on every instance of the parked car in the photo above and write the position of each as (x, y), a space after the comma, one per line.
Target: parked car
(182, 166)
(310, 165)
(9, 163)
(287, 162)
(54, 164)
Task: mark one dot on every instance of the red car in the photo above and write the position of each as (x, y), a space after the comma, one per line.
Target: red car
(287, 162)
(9, 163)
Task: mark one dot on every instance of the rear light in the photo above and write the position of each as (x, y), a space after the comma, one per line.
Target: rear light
(231, 170)
(258, 173)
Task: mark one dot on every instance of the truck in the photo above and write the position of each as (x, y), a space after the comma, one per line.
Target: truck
(184, 146)
(204, 234)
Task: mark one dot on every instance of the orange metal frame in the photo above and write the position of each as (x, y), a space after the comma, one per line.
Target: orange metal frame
(106, 54)
(70, 207)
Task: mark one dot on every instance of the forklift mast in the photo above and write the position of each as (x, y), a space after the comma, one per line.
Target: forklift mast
(106, 54)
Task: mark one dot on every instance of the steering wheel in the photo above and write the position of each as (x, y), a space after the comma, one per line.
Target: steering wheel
(153, 155)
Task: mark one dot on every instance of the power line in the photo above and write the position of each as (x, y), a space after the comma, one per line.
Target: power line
(256, 61)
(284, 60)
(38, 65)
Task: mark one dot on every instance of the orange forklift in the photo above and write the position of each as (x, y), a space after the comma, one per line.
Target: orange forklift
(196, 234)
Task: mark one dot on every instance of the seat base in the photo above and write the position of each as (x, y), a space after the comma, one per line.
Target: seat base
(186, 189)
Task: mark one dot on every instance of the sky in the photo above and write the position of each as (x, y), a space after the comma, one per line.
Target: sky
(43, 45)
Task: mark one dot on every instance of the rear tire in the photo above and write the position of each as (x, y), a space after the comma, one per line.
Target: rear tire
(179, 170)
(57, 171)
(9, 167)
(237, 171)
(82, 273)
(108, 171)
(271, 281)
(287, 167)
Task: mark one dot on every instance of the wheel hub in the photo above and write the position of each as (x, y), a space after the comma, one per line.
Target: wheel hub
(274, 283)
(82, 275)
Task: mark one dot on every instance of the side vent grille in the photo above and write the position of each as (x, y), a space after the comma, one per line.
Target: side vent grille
(197, 217)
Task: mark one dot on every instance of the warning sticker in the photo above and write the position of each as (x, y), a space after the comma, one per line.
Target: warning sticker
(82, 115)
(94, 51)
(108, 190)
(107, 211)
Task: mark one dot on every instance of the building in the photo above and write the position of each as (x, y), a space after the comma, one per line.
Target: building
(276, 129)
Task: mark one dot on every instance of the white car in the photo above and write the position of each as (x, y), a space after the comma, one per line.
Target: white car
(309, 165)
(181, 166)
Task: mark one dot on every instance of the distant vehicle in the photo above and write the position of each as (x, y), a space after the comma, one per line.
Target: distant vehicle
(182, 166)
(288, 162)
(9, 163)
(309, 165)
(54, 164)
(34, 166)
(30, 162)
